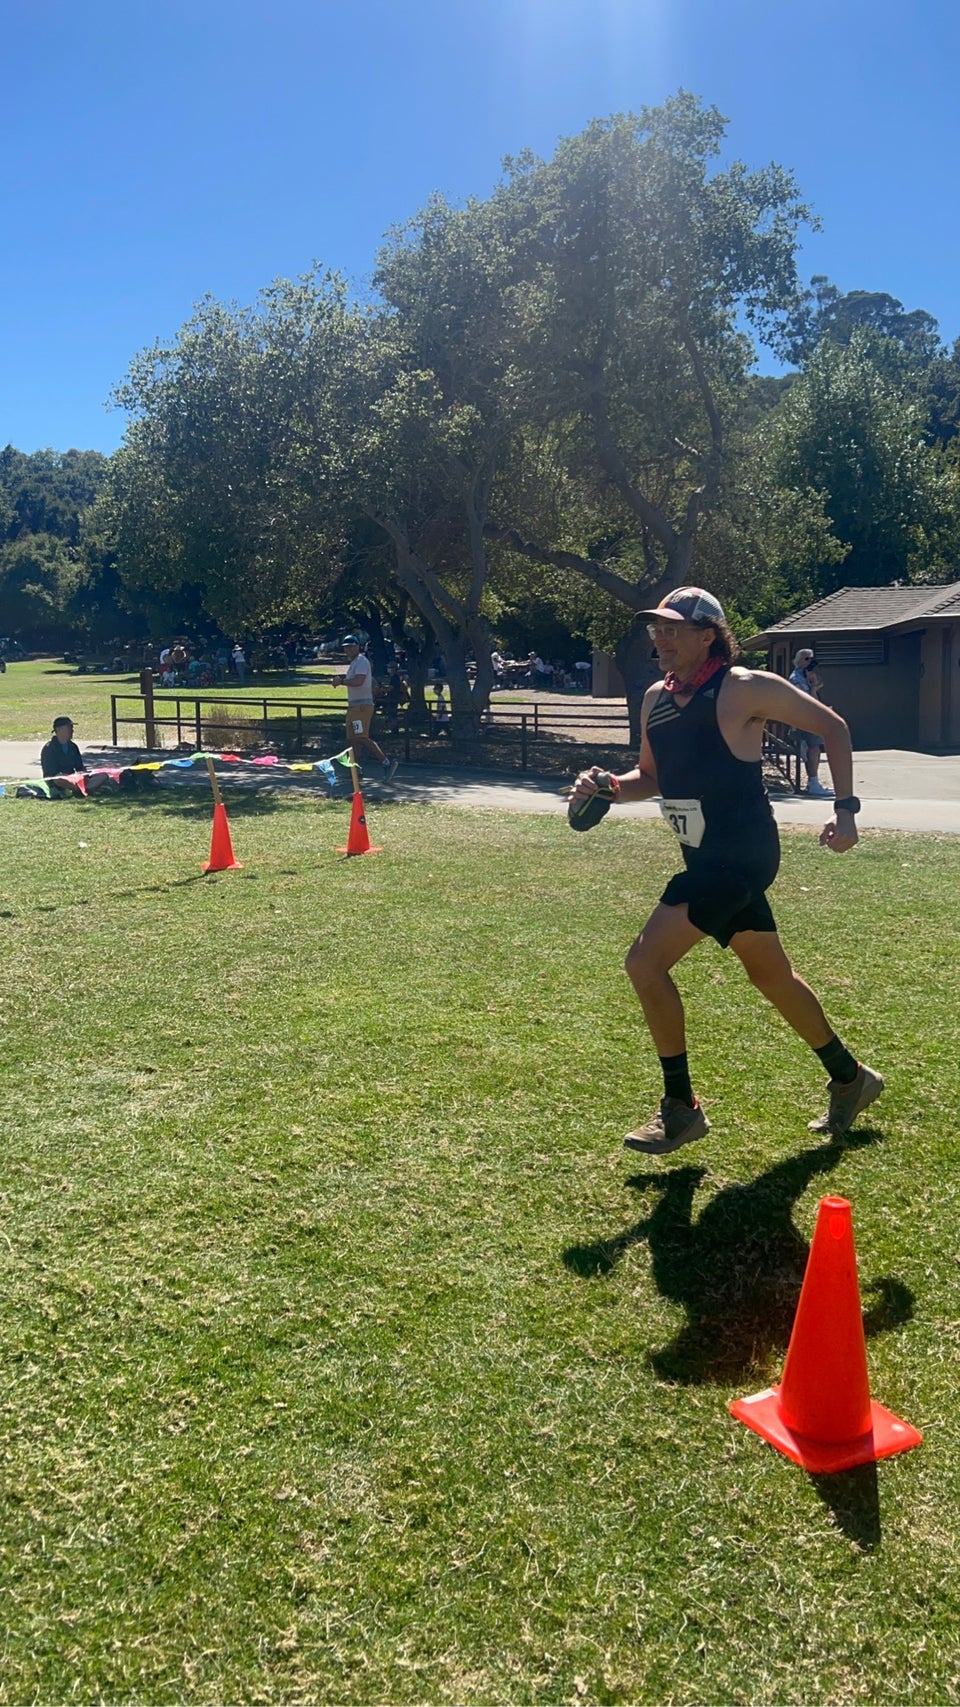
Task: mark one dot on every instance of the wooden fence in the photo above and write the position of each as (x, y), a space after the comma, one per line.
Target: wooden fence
(515, 733)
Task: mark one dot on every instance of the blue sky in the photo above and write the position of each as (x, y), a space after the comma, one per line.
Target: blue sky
(158, 152)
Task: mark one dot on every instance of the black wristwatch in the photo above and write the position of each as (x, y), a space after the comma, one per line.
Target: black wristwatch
(849, 803)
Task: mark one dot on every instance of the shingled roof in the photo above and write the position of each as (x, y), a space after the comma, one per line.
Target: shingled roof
(868, 610)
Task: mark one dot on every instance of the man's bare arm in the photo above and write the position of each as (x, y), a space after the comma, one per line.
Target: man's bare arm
(637, 784)
(771, 699)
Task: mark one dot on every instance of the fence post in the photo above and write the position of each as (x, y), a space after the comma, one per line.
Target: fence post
(523, 740)
(149, 726)
(113, 716)
(299, 728)
(179, 726)
(196, 721)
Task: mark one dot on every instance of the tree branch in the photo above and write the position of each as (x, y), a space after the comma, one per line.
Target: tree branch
(626, 592)
(713, 416)
(614, 466)
(475, 505)
(421, 582)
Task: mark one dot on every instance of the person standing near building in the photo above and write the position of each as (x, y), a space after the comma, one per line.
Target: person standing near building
(700, 750)
(359, 680)
(804, 677)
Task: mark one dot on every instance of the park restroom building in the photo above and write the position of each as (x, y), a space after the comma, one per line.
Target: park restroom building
(889, 658)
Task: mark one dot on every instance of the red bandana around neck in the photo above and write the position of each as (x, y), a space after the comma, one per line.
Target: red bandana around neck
(708, 668)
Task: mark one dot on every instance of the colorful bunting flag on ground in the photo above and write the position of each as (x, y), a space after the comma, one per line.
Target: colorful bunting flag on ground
(80, 778)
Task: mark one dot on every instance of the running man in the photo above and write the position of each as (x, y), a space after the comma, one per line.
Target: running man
(700, 750)
(359, 680)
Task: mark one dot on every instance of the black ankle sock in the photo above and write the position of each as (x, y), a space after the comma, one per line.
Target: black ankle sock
(676, 1078)
(838, 1061)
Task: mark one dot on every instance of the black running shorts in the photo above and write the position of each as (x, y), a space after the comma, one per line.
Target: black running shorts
(723, 899)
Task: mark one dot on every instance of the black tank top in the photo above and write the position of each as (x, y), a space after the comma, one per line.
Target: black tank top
(694, 763)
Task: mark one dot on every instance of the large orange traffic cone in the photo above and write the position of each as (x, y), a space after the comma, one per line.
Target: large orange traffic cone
(358, 839)
(822, 1415)
(221, 847)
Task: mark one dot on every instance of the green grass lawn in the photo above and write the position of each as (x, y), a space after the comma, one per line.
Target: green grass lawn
(348, 1357)
(33, 693)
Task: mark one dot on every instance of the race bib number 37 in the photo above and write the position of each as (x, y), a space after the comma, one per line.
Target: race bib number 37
(686, 820)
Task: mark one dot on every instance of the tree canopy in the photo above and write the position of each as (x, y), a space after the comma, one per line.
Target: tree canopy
(550, 399)
(51, 579)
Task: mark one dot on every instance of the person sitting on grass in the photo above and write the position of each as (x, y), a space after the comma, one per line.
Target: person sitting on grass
(61, 758)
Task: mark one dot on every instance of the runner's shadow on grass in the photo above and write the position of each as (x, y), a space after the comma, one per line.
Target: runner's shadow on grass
(161, 888)
(121, 894)
(737, 1269)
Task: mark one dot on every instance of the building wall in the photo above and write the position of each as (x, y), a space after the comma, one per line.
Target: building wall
(879, 701)
(952, 728)
(911, 700)
(607, 680)
(940, 687)
(929, 707)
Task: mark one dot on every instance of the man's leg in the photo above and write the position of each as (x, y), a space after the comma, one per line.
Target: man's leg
(853, 1086)
(666, 937)
(361, 739)
(762, 956)
(369, 745)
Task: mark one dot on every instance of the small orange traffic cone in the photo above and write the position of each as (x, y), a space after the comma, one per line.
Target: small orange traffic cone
(221, 847)
(822, 1415)
(358, 839)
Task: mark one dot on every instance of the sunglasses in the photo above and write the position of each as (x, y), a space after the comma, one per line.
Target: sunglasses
(663, 630)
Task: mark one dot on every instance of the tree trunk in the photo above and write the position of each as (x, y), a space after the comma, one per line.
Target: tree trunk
(464, 710)
(468, 700)
(419, 653)
(377, 648)
(639, 667)
(460, 634)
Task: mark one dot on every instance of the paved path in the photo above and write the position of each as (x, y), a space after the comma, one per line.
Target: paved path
(899, 790)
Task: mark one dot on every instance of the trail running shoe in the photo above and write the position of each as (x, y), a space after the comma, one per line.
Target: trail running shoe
(847, 1101)
(389, 769)
(673, 1125)
(815, 786)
